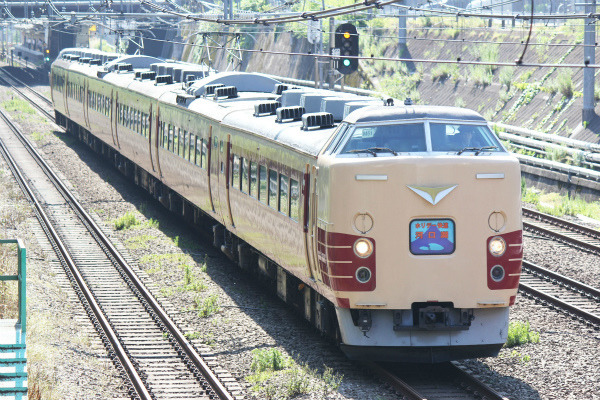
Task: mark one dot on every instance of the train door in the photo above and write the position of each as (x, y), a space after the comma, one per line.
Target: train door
(66, 96)
(86, 103)
(114, 121)
(224, 180)
(310, 220)
(152, 139)
(216, 146)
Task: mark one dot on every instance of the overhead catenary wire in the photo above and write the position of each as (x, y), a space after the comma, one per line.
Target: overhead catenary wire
(457, 61)
(368, 4)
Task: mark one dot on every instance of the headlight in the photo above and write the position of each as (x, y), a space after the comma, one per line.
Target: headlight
(497, 246)
(497, 273)
(363, 274)
(363, 247)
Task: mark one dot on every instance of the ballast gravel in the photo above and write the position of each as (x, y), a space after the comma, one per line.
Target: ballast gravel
(190, 274)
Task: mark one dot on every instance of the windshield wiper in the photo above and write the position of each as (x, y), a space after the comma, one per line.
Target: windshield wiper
(370, 151)
(477, 150)
(377, 149)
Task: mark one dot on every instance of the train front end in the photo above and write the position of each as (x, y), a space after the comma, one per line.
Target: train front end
(420, 235)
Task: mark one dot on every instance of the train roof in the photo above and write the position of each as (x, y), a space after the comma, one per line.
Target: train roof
(383, 114)
(238, 109)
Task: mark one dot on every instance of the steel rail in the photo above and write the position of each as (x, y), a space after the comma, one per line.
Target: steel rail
(580, 288)
(443, 371)
(572, 226)
(393, 379)
(128, 366)
(183, 342)
(35, 92)
(37, 106)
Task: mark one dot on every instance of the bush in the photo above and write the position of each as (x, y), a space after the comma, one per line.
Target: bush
(519, 333)
(269, 360)
(126, 221)
(208, 306)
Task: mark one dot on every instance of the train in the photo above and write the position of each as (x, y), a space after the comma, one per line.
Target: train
(391, 227)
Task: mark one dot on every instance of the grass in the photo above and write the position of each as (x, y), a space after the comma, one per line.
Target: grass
(520, 333)
(191, 282)
(269, 360)
(126, 221)
(559, 205)
(208, 306)
(278, 376)
(140, 242)
(18, 105)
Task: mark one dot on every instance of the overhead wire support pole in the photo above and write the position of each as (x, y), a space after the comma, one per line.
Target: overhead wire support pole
(589, 58)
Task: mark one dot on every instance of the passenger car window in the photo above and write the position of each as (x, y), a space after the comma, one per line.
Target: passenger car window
(401, 138)
(283, 194)
(244, 175)
(204, 153)
(294, 200)
(262, 187)
(253, 180)
(273, 189)
(456, 137)
(235, 173)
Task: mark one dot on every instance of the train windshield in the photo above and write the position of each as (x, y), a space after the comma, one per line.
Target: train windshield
(392, 139)
(460, 138)
(401, 138)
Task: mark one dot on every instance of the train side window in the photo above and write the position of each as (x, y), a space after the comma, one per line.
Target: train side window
(273, 189)
(186, 145)
(253, 180)
(235, 173)
(164, 136)
(138, 122)
(244, 175)
(176, 141)
(204, 153)
(170, 137)
(192, 152)
(284, 195)
(198, 150)
(182, 144)
(294, 200)
(262, 187)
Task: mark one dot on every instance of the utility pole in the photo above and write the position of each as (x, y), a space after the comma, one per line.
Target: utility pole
(401, 29)
(589, 57)
(330, 72)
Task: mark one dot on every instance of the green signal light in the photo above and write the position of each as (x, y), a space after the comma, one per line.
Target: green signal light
(346, 62)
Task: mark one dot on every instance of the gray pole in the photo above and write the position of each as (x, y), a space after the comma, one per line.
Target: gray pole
(589, 57)
(401, 29)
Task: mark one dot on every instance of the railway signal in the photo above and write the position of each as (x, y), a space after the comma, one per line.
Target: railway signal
(346, 40)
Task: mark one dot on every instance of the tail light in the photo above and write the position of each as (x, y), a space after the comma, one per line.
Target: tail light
(504, 258)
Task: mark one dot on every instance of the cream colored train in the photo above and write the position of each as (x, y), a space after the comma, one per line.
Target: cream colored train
(395, 229)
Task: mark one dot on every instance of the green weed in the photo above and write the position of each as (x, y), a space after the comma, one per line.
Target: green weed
(140, 242)
(269, 360)
(19, 105)
(208, 306)
(519, 333)
(190, 281)
(125, 221)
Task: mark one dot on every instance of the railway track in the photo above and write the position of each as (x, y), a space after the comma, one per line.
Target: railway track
(557, 291)
(570, 233)
(438, 381)
(37, 100)
(150, 351)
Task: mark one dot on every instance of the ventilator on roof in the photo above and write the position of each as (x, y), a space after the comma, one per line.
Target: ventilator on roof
(228, 92)
(266, 108)
(320, 120)
(210, 89)
(293, 113)
(166, 79)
